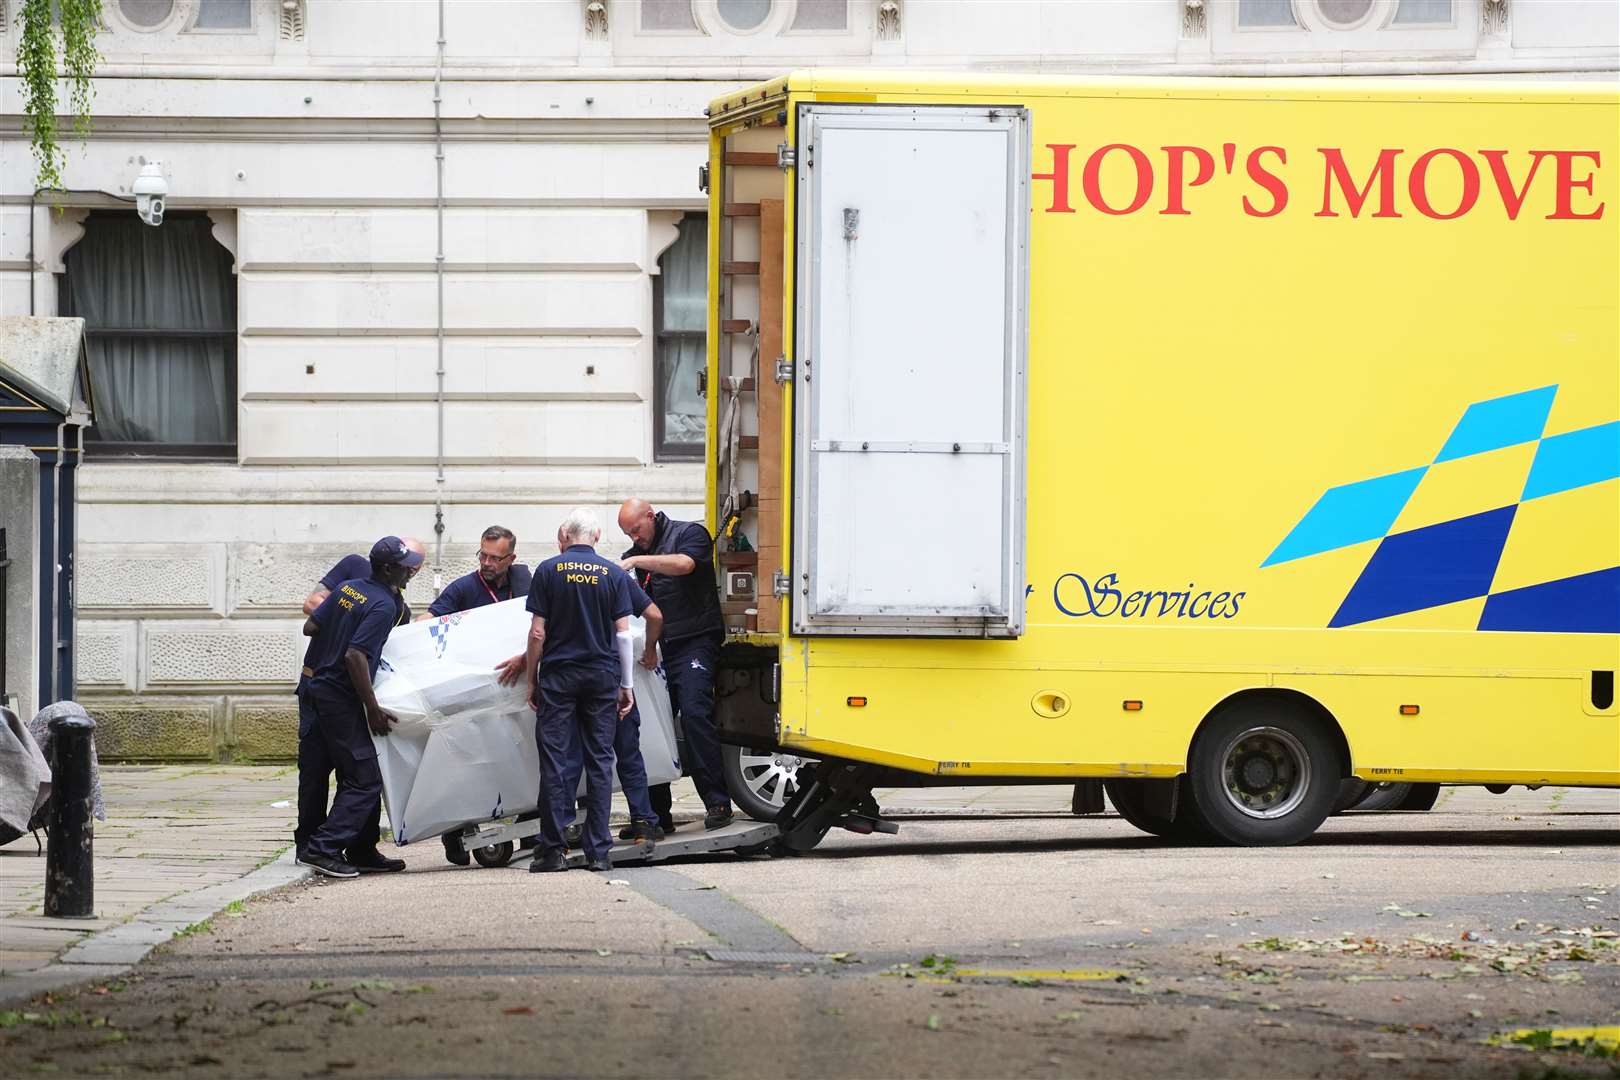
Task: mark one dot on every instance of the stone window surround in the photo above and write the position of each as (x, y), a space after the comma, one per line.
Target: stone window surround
(181, 20)
(706, 16)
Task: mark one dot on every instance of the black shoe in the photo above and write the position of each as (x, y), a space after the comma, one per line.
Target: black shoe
(322, 864)
(574, 835)
(551, 862)
(375, 862)
(718, 817)
(455, 851)
(601, 865)
(667, 824)
(642, 832)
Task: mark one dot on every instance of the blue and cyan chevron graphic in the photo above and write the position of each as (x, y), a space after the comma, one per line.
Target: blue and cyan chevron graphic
(1457, 560)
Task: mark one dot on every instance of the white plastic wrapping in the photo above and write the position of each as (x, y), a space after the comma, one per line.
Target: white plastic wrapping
(464, 749)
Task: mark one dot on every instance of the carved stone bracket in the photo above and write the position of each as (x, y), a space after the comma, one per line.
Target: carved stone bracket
(888, 20)
(596, 20)
(1194, 20)
(1494, 17)
(223, 227)
(292, 20)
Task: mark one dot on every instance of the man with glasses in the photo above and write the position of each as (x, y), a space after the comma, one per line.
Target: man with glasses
(497, 578)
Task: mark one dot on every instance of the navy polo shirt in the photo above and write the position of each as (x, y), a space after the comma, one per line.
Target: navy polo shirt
(357, 615)
(358, 566)
(690, 602)
(469, 591)
(580, 595)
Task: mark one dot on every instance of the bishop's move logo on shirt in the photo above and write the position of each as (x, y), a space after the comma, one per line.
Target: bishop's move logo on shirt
(350, 597)
(580, 573)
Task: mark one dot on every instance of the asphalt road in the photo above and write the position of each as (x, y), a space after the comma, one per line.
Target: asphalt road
(1037, 944)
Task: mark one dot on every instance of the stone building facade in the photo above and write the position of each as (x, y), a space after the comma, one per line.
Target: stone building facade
(270, 397)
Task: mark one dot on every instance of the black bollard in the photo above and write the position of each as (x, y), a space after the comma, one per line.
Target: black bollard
(70, 873)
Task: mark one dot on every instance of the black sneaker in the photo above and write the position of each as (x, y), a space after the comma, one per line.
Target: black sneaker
(601, 865)
(375, 862)
(322, 864)
(667, 824)
(642, 832)
(550, 862)
(718, 817)
(574, 835)
(454, 850)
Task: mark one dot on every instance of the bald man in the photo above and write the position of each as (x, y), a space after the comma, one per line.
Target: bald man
(674, 561)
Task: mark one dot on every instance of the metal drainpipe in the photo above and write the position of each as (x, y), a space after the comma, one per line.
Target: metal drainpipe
(438, 273)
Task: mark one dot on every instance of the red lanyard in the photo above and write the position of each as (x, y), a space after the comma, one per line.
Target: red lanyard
(492, 597)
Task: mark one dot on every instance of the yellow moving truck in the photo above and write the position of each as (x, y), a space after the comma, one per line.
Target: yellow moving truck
(1221, 439)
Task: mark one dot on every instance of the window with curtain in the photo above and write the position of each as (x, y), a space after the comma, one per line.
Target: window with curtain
(159, 310)
(680, 316)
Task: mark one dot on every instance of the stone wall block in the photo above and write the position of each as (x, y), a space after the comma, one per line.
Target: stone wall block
(273, 579)
(263, 729)
(221, 655)
(155, 578)
(104, 656)
(156, 729)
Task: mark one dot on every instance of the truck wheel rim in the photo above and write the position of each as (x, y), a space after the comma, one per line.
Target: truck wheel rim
(773, 778)
(1265, 773)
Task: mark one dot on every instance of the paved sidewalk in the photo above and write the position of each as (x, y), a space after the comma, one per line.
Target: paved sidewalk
(171, 830)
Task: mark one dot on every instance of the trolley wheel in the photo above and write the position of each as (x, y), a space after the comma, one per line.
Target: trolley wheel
(495, 855)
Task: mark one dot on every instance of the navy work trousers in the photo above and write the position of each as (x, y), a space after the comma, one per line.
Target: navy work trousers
(333, 736)
(632, 768)
(689, 668)
(576, 720)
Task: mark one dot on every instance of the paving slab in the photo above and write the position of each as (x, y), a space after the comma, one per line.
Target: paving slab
(172, 831)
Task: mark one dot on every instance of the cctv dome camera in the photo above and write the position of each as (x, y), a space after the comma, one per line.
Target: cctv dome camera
(151, 189)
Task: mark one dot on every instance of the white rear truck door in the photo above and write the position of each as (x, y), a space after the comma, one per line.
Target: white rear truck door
(910, 335)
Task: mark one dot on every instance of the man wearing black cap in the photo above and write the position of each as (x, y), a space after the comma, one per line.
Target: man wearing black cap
(338, 713)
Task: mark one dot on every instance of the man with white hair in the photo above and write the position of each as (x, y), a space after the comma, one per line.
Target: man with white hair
(579, 672)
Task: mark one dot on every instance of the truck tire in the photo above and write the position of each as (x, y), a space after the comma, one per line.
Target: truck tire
(1263, 774)
(762, 781)
(1421, 797)
(1381, 798)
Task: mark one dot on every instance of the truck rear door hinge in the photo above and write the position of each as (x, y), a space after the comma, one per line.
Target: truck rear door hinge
(786, 158)
(703, 178)
(780, 583)
(784, 370)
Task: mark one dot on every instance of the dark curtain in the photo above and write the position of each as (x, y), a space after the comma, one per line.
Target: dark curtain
(159, 306)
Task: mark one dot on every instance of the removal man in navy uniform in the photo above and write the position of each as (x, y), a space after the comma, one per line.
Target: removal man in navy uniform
(497, 578)
(631, 767)
(338, 713)
(578, 666)
(312, 803)
(674, 561)
(358, 566)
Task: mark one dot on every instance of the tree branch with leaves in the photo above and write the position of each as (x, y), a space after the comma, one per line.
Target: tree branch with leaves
(42, 23)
